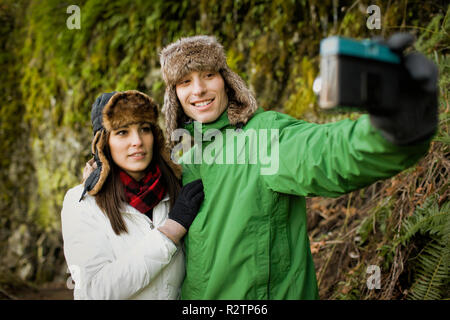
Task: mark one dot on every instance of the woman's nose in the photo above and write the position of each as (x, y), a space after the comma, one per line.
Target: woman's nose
(136, 139)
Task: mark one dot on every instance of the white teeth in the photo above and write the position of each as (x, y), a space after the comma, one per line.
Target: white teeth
(204, 103)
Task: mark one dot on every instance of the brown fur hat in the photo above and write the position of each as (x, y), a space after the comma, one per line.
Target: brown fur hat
(201, 53)
(112, 111)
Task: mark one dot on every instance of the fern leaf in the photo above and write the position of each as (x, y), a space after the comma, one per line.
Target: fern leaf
(432, 273)
(428, 219)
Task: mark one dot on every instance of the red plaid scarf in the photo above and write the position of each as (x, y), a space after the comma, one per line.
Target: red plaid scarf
(146, 193)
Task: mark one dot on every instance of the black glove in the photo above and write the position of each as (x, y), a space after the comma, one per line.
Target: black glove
(187, 204)
(416, 115)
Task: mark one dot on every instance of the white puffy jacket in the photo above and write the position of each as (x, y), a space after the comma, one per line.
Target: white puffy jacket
(140, 264)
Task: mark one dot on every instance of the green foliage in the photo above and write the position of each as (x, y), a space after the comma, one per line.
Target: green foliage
(435, 37)
(303, 99)
(427, 219)
(431, 223)
(432, 264)
(432, 274)
(377, 219)
(353, 23)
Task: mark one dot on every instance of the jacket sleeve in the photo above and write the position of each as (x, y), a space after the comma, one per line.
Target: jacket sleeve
(335, 158)
(95, 270)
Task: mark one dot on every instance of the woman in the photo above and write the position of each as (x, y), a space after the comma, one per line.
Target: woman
(122, 238)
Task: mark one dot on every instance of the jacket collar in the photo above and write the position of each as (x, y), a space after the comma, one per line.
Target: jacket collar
(220, 124)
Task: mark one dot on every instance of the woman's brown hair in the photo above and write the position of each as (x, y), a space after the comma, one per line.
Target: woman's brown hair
(111, 197)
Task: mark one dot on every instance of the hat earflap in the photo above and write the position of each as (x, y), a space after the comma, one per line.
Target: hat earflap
(173, 112)
(99, 148)
(241, 102)
(97, 178)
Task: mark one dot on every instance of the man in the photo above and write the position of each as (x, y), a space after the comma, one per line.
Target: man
(249, 240)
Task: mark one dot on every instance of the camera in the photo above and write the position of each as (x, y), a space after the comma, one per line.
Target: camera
(362, 75)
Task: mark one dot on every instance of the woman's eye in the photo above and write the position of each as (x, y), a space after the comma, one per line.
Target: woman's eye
(121, 132)
(146, 129)
(210, 75)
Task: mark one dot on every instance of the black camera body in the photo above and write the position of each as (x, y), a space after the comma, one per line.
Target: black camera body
(358, 75)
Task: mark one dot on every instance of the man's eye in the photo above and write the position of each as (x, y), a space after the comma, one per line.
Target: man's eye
(184, 82)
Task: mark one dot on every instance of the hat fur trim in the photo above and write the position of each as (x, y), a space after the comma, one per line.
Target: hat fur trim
(98, 144)
(129, 107)
(198, 53)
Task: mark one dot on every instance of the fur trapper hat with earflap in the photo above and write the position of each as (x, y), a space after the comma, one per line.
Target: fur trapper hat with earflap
(201, 53)
(114, 110)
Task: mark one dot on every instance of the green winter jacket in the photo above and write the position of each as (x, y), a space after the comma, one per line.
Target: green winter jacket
(249, 239)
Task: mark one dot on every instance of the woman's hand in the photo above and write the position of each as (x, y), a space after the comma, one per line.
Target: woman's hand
(184, 211)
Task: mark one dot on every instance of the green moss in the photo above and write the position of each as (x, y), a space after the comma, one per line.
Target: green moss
(303, 99)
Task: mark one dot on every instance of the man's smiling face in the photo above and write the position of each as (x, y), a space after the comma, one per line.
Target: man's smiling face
(202, 95)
